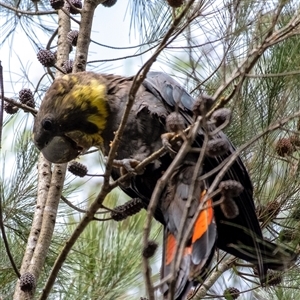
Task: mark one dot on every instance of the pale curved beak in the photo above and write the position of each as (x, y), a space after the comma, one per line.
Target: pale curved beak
(60, 149)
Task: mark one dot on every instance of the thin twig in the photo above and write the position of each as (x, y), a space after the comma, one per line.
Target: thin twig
(70, 16)
(39, 82)
(179, 238)
(27, 12)
(123, 57)
(74, 7)
(24, 107)
(124, 48)
(59, 69)
(54, 34)
(69, 203)
(222, 267)
(270, 75)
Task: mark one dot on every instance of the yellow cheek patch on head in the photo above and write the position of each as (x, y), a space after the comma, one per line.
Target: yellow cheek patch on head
(87, 97)
(86, 101)
(98, 99)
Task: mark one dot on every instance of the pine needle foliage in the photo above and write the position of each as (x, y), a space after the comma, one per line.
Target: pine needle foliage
(18, 198)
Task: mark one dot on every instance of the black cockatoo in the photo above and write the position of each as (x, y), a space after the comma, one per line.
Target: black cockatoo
(85, 109)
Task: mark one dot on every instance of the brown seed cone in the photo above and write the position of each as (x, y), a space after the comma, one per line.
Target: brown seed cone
(72, 37)
(46, 58)
(27, 282)
(175, 3)
(273, 278)
(76, 4)
(10, 108)
(77, 168)
(284, 147)
(129, 208)
(295, 140)
(231, 293)
(287, 235)
(67, 66)
(220, 116)
(267, 212)
(57, 4)
(273, 208)
(175, 122)
(229, 208)
(231, 188)
(26, 97)
(202, 105)
(25, 94)
(217, 147)
(118, 215)
(109, 3)
(150, 249)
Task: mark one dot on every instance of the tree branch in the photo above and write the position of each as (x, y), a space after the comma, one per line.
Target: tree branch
(26, 12)
(48, 209)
